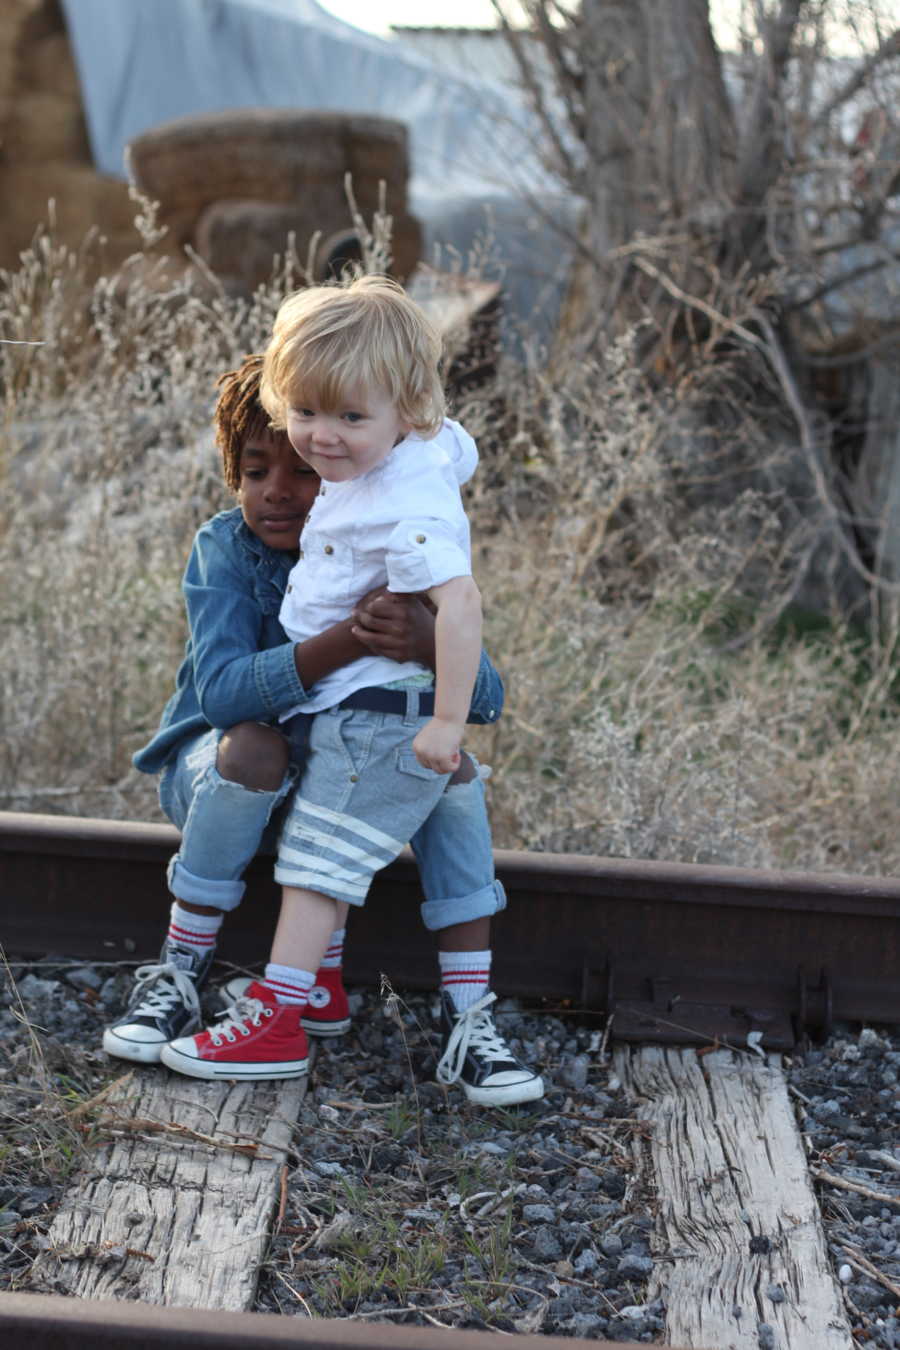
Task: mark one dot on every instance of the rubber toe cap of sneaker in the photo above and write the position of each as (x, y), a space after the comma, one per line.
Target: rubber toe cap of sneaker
(133, 1041)
(511, 1087)
(185, 1046)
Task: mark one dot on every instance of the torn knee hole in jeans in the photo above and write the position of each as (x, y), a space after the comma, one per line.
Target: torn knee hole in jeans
(469, 771)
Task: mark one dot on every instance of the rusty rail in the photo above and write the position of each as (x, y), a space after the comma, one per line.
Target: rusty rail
(676, 952)
(43, 1322)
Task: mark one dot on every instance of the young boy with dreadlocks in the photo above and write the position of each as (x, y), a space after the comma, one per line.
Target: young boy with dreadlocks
(228, 768)
(352, 373)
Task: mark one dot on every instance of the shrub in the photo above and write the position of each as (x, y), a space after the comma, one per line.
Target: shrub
(636, 562)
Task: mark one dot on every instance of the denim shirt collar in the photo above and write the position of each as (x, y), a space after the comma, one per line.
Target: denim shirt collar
(277, 559)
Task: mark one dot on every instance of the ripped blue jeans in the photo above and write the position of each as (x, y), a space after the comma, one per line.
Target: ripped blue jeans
(224, 825)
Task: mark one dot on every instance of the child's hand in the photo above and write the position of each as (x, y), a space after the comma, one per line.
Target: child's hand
(437, 745)
(397, 626)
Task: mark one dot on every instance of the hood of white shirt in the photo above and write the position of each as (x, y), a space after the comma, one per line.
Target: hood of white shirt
(459, 448)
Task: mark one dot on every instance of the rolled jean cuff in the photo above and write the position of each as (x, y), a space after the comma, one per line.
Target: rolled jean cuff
(224, 895)
(460, 909)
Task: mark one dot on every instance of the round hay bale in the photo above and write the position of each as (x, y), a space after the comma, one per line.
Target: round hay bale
(342, 248)
(83, 200)
(369, 164)
(48, 64)
(334, 252)
(239, 239)
(406, 246)
(45, 125)
(17, 36)
(266, 154)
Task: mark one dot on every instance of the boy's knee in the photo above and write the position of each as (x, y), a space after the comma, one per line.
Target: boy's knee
(466, 771)
(254, 756)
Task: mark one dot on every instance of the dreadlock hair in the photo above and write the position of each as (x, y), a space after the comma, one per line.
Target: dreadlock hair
(239, 415)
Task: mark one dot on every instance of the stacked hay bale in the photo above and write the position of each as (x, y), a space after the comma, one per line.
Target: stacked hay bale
(234, 185)
(44, 149)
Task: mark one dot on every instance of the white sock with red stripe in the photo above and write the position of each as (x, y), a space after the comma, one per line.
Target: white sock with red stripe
(198, 931)
(465, 976)
(335, 953)
(288, 984)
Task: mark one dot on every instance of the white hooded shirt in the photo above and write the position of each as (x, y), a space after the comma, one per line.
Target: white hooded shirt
(401, 525)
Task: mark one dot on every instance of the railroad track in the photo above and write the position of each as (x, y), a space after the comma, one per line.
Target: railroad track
(670, 954)
(40, 1322)
(676, 953)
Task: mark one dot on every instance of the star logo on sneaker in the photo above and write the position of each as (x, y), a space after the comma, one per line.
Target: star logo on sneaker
(181, 958)
(319, 997)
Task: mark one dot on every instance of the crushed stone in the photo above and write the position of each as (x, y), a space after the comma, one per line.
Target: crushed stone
(404, 1202)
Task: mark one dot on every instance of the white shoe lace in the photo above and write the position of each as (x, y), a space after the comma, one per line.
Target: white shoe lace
(236, 1018)
(169, 986)
(474, 1028)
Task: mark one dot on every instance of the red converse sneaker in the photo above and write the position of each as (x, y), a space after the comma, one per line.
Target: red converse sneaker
(257, 1037)
(326, 1014)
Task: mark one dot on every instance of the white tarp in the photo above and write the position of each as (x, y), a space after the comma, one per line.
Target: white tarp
(472, 142)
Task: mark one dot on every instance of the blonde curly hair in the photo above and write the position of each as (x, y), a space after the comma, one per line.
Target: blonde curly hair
(329, 341)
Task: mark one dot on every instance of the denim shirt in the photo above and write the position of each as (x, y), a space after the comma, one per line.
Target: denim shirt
(238, 665)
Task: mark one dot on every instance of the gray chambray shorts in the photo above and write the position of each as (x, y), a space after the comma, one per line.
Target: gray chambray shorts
(362, 796)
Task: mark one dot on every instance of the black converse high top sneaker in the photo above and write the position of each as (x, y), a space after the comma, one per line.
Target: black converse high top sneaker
(475, 1055)
(164, 1004)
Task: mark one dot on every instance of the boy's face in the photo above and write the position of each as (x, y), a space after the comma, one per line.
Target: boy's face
(348, 441)
(277, 489)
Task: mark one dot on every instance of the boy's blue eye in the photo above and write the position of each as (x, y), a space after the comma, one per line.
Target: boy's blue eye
(353, 417)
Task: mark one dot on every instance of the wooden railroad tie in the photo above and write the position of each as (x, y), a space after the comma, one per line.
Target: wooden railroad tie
(177, 1207)
(739, 1233)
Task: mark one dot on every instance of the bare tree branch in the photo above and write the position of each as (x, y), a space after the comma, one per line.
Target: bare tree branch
(567, 81)
(810, 444)
(835, 283)
(532, 86)
(889, 48)
(758, 165)
(887, 341)
(696, 302)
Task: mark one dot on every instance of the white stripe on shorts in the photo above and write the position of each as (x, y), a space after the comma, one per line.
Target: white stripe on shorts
(296, 857)
(323, 883)
(334, 844)
(351, 824)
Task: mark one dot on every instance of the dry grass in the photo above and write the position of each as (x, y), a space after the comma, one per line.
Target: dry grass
(637, 562)
(44, 1085)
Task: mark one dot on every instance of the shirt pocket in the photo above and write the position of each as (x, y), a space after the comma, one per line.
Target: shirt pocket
(327, 568)
(268, 597)
(268, 587)
(424, 553)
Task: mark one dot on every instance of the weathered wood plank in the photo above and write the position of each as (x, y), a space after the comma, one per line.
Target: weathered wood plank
(731, 1170)
(165, 1217)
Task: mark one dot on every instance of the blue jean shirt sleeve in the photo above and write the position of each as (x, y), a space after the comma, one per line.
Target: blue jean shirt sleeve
(235, 681)
(488, 695)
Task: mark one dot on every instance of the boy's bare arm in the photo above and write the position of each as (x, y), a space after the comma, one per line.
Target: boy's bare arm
(396, 626)
(457, 634)
(326, 652)
(400, 627)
